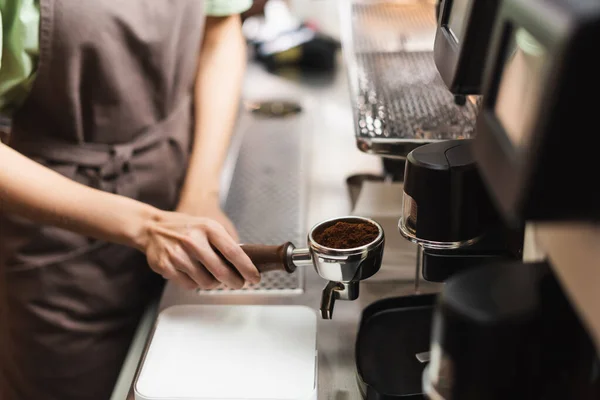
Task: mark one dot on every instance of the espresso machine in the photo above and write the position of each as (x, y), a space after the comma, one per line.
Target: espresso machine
(504, 325)
(522, 314)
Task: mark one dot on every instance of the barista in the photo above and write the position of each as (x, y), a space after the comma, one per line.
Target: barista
(121, 117)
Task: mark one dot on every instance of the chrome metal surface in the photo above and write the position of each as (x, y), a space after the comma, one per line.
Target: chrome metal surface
(337, 291)
(270, 284)
(355, 184)
(346, 265)
(410, 235)
(400, 102)
(418, 268)
(391, 26)
(302, 258)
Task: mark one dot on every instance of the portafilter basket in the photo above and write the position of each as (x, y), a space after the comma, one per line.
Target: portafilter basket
(343, 268)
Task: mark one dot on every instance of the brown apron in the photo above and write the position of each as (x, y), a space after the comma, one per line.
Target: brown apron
(111, 108)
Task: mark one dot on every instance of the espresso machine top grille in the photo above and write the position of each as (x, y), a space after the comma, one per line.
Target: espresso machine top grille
(400, 101)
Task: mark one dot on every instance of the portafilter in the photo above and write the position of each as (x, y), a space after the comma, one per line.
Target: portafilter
(343, 268)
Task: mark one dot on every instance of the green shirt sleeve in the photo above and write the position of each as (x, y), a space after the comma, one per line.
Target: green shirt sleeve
(221, 8)
(20, 21)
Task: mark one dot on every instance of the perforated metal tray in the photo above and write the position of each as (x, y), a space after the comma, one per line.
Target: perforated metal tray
(266, 200)
(399, 100)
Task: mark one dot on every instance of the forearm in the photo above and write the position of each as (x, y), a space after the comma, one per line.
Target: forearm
(221, 69)
(37, 193)
(177, 246)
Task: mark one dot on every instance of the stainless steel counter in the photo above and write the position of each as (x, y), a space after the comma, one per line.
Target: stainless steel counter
(329, 156)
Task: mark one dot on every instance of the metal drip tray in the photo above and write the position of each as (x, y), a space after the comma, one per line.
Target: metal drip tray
(270, 172)
(400, 102)
(275, 282)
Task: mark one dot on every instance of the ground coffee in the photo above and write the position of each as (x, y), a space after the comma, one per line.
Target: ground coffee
(347, 235)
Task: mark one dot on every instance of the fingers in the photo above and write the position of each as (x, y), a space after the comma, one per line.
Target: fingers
(183, 280)
(200, 249)
(232, 251)
(231, 230)
(168, 271)
(202, 278)
(233, 233)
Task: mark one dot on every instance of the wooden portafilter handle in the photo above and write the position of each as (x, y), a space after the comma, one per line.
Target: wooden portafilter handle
(271, 258)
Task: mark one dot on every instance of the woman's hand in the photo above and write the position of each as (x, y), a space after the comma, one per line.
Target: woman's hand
(178, 246)
(208, 206)
(182, 248)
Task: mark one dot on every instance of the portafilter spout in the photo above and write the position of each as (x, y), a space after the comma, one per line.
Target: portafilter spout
(343, 268)
(337, 291)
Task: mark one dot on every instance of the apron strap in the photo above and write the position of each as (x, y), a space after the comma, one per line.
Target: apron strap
(108, 165)
(100, 155)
